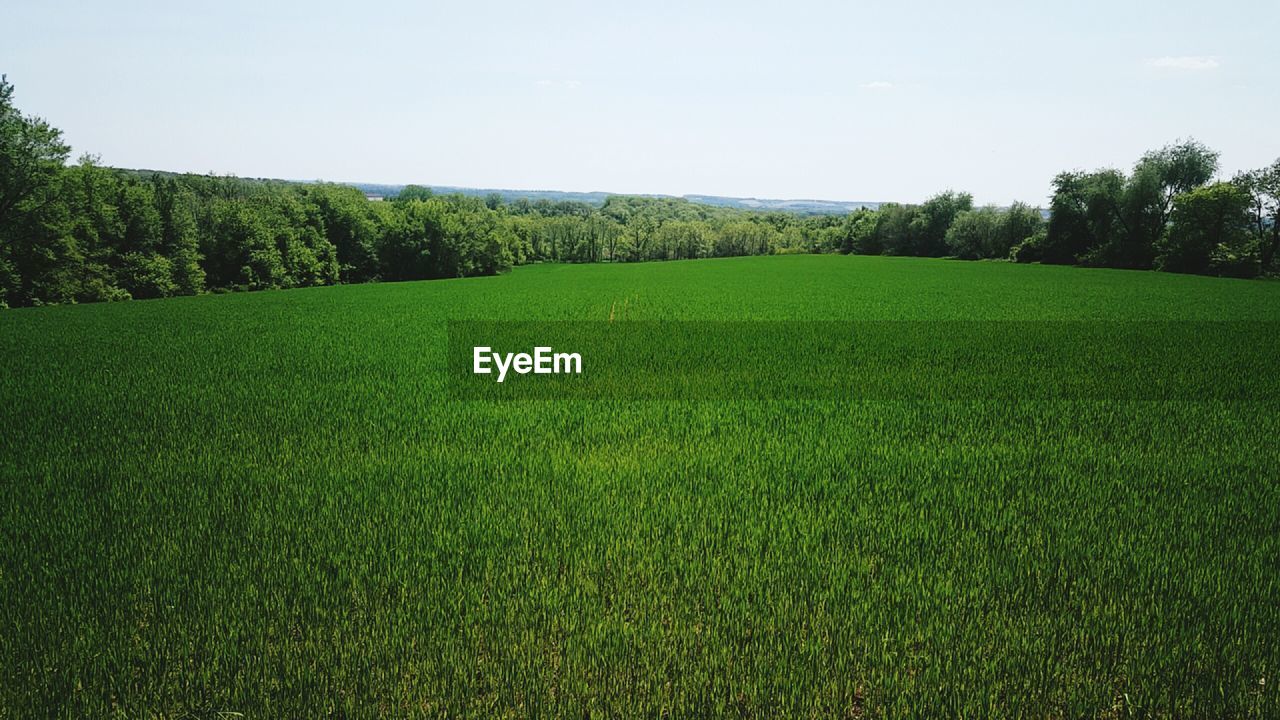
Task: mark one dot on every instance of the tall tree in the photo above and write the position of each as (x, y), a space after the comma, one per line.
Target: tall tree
(1208, 224)
(1084, 215)
(1176, 169)
(1017, 224)
(929, 227)
(1263, 187)
(177, 206)
(31, 155)
(973, 233)
(1146, 207)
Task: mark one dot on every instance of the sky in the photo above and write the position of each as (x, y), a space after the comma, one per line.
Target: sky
(884, 101)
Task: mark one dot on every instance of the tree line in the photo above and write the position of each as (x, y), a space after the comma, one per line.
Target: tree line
(82, 232)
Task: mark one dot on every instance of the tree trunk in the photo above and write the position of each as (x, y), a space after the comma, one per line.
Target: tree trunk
(1269, 249)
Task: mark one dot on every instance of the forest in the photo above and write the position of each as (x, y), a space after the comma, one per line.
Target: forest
(82, 232)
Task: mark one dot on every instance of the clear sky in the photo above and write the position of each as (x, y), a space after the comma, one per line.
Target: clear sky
(838, 101)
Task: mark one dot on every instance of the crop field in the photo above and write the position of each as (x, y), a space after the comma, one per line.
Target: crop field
(272, 505)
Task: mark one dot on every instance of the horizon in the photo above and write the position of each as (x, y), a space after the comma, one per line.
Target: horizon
(359, 184)
(727, 100)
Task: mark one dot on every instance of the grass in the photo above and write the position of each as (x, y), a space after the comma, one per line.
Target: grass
(267, 504)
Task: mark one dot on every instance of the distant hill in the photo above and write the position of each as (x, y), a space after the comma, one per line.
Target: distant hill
(802, 207)
(796, 207)
(799, 207)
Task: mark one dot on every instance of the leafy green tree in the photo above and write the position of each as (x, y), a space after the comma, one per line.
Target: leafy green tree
(180, 238)
(351, 226)
(32, 155)
(1084, 215)
(817, 234)
(94, 236)
(142, 269)
(640, 231)
(408, 247)
(1017, 224)
(896, 228)
(1105, 218)
(415, 192)
(1210, 222)
(974, 232)
(683, 239)
(858, 233)
(1145, 204)
(1031, 249)
(142, 230)
(471, 241)
(306, 254)
(990, 232)
(239, 249)
(1174, 169)
(744, 237)
(147, 275)
(928, 233)
(1263, 187)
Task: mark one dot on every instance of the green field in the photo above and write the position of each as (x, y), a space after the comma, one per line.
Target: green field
(267, 504)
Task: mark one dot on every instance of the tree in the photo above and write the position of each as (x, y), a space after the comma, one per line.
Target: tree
(143, 270)
(1083, 215)
(415, 192)
(180, 243)
(1208, 222)
(973, 233)
(1105, 218)
(1175, 169)
(1263, 187)
(239, 250)
(683, 239)
(928, 236)
(351, 226)
(895, 229)
(858, 233)
(298, 230)
(91, 240)
(1146, 203)
(992, 233)
(32, 155)
(1031, 249)
(1017, 224)
(744, 237)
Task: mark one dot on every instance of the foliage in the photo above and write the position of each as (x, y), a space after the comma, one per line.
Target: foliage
(32, 154)
(84, 233)
(1263, 187)
(1083, 215)
(1032, 249)
(1208, 223)
(973, 233)
(1108, 219)
(990, 233)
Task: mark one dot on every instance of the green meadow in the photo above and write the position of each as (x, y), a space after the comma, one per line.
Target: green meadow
(271, 505)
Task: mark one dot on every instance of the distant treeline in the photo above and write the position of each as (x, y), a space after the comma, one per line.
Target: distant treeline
(85, 233)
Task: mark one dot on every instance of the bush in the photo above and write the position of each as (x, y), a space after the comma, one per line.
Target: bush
(1239, 261)
(1030, 250)
(147, 275)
